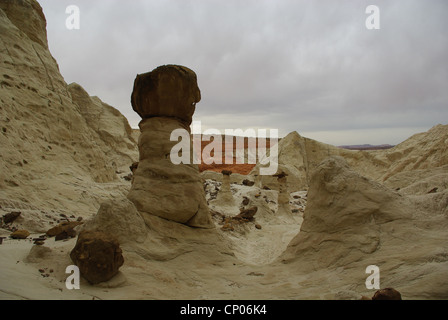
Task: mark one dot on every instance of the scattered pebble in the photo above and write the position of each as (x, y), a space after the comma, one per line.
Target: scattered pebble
(10, 217)
(20, 234)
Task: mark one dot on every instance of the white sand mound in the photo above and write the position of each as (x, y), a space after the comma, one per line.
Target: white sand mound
(352, 222)
(299, 156)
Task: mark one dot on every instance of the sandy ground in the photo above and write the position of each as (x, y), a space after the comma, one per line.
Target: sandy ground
(202, 268)
(188, 276)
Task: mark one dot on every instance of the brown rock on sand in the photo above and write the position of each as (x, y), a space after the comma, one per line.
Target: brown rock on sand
(97, 255)
(247, 214)
(20, 234)
(10, 217)
(63, 228)
(387, 294)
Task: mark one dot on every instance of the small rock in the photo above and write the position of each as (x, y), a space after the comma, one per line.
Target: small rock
(63, 215)
(128, 177)
(258, 226)
(63, 228)
(387, 294)
(245, 201)
(10, 217)
(98, 256)
(133, 167)
(20, 234)
(65, 234)
(227, 227)
(248, 183)
(247, 214)
(433, 190)
(226, 172)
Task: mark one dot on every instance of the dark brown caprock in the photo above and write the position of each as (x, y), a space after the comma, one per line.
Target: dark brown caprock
(167, 91)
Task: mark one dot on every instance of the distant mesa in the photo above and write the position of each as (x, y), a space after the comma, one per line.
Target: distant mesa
(367, 147)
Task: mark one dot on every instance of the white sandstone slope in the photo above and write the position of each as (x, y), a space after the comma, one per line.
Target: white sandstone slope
(352, 222)
(298, 156)
(422, 151)
(60, 147)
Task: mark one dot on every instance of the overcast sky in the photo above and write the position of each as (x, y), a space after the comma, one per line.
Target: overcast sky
(309, 66)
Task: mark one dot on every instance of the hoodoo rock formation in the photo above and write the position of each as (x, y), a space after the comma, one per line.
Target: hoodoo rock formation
(165, 98)
(225, 194)
(283, 195)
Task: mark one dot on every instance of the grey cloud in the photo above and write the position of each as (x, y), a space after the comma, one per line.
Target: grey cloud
(297, 65)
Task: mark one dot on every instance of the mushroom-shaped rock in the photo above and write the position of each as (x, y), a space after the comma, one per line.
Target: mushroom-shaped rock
(165, 98)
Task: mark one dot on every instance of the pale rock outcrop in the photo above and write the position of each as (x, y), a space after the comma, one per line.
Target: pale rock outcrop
(108, 125)
(426, 150)
(51, 155)
(346, 217)
(299, 156)
(225, 196)
(29, 18)
(166, 99)
(351, 222)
